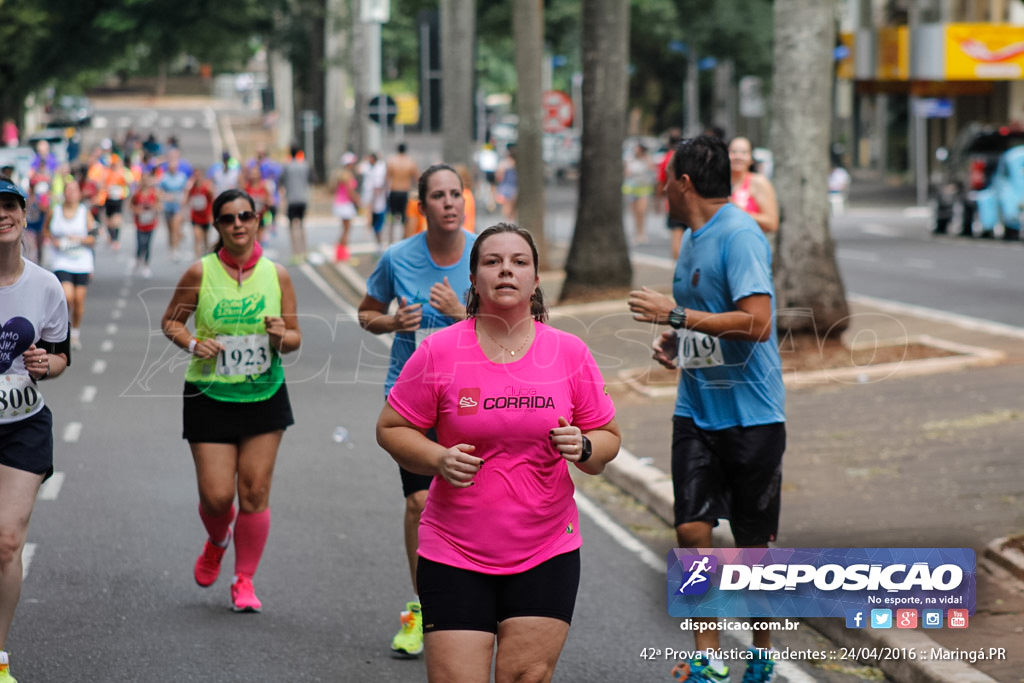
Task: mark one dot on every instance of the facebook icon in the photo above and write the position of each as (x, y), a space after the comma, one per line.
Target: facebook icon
(855, 618)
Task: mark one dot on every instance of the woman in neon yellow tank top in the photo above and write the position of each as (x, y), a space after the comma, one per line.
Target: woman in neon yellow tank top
(236, 404)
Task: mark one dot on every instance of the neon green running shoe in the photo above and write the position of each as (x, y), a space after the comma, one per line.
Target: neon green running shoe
(5, 669)
(408, 642)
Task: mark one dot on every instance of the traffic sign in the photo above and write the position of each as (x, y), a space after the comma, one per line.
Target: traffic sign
(383, 105)
(557, 111)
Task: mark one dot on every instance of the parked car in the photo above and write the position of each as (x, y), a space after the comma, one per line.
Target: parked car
(70, 110)
(967, 168)
(1002, 200)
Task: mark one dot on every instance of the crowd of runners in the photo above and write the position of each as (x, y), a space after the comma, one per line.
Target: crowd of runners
(505, 601)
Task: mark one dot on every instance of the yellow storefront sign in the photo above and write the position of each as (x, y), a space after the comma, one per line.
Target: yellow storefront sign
(408, 113)
(893, 53)
(984, 52)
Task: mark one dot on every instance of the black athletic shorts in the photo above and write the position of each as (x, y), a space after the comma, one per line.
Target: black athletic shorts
(28, 444)
(397, 202)
(412, 482)
(456, 599)
(77, 279)
(113, 206)
(207, 420)
(733, 474)
(296, 211)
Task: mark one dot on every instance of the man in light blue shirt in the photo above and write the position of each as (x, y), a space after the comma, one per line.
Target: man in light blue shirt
(729, 429)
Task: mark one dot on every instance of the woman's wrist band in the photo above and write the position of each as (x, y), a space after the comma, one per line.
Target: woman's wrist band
(192, 345)
(586, 450)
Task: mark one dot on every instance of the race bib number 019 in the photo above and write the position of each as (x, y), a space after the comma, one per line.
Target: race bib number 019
(698, 350)
(244, 355)
(18, 397)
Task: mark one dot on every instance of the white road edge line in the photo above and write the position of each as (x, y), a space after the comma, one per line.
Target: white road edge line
(962, 321)
(88, 393)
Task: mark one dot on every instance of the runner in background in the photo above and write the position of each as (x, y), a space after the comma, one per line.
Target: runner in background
(172, 185)
(145, 203)
(346, 202)
(374, 195)
(71, 234)
(257, 187)
(401, 177)
(199, 196)
(117, 186)
(751, 191)
(675, 226)
(294, 188)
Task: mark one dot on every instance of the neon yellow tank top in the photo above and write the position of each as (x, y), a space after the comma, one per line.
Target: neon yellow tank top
(248, 369)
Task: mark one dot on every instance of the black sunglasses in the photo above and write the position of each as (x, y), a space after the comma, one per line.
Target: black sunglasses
(226, 219)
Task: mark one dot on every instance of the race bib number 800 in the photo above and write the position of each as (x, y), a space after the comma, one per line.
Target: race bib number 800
(244, 355)
(18, 396)
(698, 350)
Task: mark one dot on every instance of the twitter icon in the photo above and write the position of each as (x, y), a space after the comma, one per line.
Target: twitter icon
(881, 618)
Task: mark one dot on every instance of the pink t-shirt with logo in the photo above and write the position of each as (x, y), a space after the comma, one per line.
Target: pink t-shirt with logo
(520, 512)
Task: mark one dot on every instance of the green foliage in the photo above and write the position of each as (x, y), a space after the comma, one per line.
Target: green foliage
(70, 43)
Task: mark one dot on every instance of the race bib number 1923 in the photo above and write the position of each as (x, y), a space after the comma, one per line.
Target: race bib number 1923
(244, 355)
(698, 350)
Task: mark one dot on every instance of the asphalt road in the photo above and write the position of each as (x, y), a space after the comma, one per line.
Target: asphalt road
(109, 594)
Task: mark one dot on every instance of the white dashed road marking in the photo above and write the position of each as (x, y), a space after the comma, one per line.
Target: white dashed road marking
(72, 431)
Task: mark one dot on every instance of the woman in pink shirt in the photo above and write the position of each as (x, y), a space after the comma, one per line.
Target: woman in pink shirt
(752, 191)
(514, 402)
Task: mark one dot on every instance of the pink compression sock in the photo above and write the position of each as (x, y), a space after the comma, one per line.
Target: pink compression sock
(251, 531)
(217, 527)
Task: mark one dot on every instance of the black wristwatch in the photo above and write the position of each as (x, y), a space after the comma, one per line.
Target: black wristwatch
(677, 317)
(586, 450)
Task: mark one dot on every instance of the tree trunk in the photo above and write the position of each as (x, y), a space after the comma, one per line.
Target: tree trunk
(528, 32)
(458, 40)
(599, 256)
(337, 67)
(809, 290)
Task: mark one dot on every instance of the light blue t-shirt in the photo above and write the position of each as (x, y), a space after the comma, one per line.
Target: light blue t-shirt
(407, 270)
(173, 183)
(726, 260)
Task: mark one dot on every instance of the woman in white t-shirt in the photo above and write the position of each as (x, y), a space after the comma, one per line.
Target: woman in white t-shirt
(71, 234)
(33, 347)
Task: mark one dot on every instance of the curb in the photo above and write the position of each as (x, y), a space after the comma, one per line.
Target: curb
(1003, 552)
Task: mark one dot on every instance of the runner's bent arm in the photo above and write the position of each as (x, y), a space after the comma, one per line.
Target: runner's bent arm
(182, 305)
(374, 316)
(411, 449)
(750, 321)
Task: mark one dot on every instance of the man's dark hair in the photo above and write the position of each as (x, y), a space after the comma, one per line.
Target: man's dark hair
(401, 148)
(706, 160)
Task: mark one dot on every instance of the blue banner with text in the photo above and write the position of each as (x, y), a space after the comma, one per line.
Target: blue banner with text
(817, 582)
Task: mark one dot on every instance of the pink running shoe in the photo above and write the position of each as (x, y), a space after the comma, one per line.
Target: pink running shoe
(243, 597)
(208, 564)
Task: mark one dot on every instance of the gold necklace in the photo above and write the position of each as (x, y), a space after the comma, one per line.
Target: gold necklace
(505, 348)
